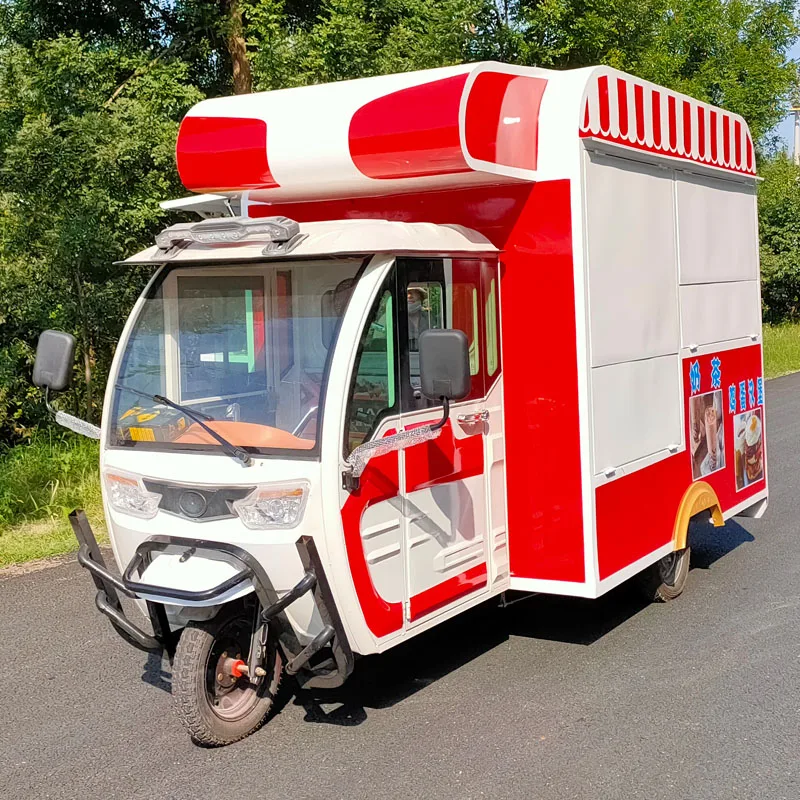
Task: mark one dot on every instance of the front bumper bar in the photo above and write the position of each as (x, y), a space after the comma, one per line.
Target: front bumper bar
(328, 674)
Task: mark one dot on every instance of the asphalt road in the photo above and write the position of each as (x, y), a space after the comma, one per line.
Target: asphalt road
(551, 698)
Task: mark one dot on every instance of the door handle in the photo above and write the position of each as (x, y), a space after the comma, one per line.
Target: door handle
(473, 419)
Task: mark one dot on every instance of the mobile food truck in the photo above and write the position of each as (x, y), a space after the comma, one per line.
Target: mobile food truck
(437, 336)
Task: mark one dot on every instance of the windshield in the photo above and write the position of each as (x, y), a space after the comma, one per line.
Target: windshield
(247, 346)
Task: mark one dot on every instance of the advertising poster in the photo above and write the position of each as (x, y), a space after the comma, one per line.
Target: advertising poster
(748, 448)
(707, 433)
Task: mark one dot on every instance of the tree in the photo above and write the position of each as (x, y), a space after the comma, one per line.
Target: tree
(81, 177)
(91, 94)
(779, 226)
(728, 52)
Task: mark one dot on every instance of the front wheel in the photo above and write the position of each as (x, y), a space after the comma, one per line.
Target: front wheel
(666, 579)
(216, 706)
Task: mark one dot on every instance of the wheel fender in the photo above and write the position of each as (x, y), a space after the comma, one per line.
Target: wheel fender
(194, 574)
(698, 497)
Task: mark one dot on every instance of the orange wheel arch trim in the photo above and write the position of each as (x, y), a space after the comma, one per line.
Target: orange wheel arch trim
(698, 497)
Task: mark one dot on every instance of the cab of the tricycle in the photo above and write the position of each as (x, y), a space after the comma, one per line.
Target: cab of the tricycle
(304, 438)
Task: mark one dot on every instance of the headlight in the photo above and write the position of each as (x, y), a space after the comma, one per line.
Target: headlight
(126, 493)
(273, 506)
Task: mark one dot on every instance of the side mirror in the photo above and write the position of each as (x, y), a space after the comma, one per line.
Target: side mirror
(444, 364)
(55, 355)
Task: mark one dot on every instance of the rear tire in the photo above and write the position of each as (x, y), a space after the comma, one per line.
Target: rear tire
(219, 712)
(666, 579)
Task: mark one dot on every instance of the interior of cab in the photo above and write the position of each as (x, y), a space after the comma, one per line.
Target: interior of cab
(246, 347)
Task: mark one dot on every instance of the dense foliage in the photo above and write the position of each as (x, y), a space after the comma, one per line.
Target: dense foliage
(91, 94)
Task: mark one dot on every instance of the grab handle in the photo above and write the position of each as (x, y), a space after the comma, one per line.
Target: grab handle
(473, 419)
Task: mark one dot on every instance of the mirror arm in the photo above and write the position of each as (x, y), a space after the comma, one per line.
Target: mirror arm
(47, 400)
(445, 415)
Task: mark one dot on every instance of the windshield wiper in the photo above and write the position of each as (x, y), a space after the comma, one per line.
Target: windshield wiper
(228, 448)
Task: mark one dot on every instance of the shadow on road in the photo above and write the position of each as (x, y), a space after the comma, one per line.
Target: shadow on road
(157, 672)
(709, 544)
(381, 681)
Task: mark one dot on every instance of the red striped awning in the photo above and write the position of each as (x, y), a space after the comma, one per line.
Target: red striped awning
(627, 111)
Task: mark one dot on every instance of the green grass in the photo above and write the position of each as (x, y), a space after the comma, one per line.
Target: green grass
(781, 349)
(40, 483)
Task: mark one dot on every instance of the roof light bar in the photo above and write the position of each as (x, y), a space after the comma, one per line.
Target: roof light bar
(278, 230)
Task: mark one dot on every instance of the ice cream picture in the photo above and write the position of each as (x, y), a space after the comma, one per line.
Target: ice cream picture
(748, 448)
(707, 434)
(753, 450)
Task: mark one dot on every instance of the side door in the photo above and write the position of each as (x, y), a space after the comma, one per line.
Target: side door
(372, 514)
(444, 482)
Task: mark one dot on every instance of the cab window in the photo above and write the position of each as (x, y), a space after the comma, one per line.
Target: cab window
(221, 331)
(372, 392)
(440, 293)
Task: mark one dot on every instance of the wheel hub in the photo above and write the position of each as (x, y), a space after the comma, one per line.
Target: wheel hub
(229, 691)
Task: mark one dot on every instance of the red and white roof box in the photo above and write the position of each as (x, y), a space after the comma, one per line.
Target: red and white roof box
(484, 123)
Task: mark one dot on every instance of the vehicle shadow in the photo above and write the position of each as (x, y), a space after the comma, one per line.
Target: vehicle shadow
(381, 681)
(709, 544)
(157, 671)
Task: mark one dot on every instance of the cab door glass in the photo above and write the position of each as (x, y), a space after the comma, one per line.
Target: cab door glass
(372, 390)
(490, 308)
(440, 294)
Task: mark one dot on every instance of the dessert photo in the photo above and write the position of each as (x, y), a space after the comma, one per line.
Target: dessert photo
(706, 434)
(748, 448)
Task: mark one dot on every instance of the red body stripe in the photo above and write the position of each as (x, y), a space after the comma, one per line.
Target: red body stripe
(448, 591)
(605, 113)
(638, 97)
(622, 106)
(656, 111)
(540, 393)
(443, 459)
(218, 153)
(673, 122)
(501, 120)
(701, 132)
(379, 481)
(410, 133)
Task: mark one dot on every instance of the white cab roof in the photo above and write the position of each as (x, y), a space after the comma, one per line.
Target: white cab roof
(333, 238)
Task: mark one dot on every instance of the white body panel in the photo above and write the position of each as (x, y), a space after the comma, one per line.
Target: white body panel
(645, 394)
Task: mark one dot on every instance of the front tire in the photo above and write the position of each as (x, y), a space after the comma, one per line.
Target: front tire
(666, 579)
(216, 708)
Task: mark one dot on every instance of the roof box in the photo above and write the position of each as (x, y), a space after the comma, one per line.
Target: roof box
(433, 129)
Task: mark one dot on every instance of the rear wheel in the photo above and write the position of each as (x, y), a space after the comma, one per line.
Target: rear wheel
(666, 579)
(216, 704)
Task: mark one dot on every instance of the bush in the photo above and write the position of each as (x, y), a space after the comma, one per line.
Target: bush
(48, 478)
(780, 286)
(779, 228)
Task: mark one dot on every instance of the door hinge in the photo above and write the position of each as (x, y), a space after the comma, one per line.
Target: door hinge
(350, 481)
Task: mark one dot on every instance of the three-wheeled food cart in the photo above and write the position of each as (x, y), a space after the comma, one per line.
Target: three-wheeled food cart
(437, 336)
